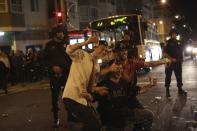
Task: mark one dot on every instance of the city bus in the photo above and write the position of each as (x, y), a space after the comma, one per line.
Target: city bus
(111, 30)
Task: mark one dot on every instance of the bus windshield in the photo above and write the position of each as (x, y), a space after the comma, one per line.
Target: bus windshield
(111, 28)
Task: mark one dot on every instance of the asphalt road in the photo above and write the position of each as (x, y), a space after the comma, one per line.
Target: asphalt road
(27, 107)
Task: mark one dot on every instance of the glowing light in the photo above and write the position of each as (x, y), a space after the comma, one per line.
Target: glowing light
(99, 61)
(59, 14)
(163, 1)
(178, 37)
(160, 22)
(177, 16)
(2, 33)
(167, 38)
(189, 49)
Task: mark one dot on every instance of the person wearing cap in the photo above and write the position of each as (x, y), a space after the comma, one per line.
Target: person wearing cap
(80, 86)
(141, 116)
(174, 51)
(58, 63)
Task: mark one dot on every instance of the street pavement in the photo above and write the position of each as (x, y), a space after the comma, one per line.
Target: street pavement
(27, 107)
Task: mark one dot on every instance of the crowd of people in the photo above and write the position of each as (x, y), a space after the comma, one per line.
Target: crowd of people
(17, 67)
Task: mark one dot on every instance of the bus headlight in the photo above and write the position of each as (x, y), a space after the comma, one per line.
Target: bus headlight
(189, 49)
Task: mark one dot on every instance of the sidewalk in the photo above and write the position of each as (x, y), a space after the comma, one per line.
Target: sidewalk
(43, 84)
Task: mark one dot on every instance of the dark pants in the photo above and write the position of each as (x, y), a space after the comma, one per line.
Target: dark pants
(55, 92)
(117, 117)
(56, 81)
(3, 76)
(142, 119)
(177, 68)
(84, 114)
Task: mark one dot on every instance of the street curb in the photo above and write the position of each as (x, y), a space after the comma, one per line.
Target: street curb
(40, 85)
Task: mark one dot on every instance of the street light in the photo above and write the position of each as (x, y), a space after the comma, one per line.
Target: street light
(163, 1)
(161, 22)
(184, 26)
(177, 16)
(154, 5)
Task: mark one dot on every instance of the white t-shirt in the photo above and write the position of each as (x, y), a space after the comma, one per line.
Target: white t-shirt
(80, 73)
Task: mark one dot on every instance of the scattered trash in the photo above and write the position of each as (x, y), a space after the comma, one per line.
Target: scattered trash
(191, 125)
(156, 100)
(4, 115)
(195, 115)
(153, 81)
(191, 129)
(29, 120)
(192, 108)
(175, 117)
(188, 98)
(158, 97)
(194, 99)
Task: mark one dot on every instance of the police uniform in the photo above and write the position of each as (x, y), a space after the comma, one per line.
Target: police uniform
(174, 50)
(55, 55)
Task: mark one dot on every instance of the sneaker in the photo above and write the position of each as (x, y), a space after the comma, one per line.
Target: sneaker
(56, 123)
(182, 92)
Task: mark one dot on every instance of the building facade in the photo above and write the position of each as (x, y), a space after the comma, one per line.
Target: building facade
(163, 20)
(90, 10)
(106, 8)
(24, 23)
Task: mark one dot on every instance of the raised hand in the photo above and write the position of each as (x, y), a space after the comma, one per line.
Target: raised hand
(93, 39)
(86, 95)
(167, 61)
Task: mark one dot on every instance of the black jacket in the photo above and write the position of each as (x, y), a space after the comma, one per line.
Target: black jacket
(55, 55)
(174, 49)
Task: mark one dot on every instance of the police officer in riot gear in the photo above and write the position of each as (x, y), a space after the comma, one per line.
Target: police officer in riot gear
(58, 63)
(173, 50)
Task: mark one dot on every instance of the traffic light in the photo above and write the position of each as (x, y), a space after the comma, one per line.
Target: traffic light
(59, 16)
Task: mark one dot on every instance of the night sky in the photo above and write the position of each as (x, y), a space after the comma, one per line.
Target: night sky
(189, 9)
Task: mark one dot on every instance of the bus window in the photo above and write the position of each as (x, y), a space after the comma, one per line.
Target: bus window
(113, 27)
(73, 41)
